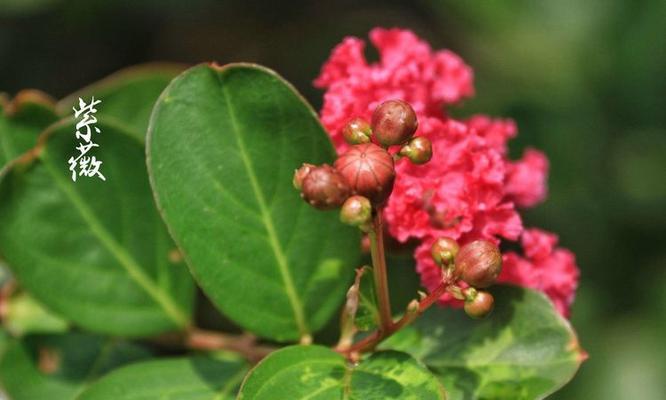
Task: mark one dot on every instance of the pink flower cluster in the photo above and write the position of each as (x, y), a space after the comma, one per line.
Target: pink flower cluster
(470, 189)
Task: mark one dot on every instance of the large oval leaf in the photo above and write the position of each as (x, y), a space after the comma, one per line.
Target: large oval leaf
(315, 372)
(94, 251)
(523, 350)
(222, 147)
(59, 367)
(194, 378)
(127, 96)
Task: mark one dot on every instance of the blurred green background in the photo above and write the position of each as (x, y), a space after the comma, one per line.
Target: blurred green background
(585, 81)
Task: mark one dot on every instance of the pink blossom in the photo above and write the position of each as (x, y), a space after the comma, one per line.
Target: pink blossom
(459, 193)
(526, 180)
(496, 131)
(544, 267)
(408, 70)
(470, 189)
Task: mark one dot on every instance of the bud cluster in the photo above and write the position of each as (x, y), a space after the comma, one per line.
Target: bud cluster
(363, 177)
(477, 263)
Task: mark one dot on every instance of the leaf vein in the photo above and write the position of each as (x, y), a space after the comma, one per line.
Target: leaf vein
(287, 279)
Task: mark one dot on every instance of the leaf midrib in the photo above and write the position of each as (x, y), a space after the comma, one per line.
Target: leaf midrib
(290, 290)
(125, 260)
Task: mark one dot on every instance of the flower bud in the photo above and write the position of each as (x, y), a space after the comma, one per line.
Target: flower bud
(369, 170)
(418, 150)
(480, 305)
(479, 263)
(444, 250)
(357, 131)
(324, 188)
(356, 211)
(300, 174)
(394, 122)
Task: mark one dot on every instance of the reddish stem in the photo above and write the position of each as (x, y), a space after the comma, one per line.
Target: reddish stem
(379, 273)
(371, 341)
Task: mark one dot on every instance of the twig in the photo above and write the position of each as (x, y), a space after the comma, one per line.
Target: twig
(414, 309)
(204, 340)
(245, 344)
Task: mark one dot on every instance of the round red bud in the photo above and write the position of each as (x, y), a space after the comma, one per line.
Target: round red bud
(394, 122)
(325, 188)
(418, 150)
(480, 305)
(369, 170)
(357, 131)
(300, 174)
(356, 211)
(479, 263)
(444, 250)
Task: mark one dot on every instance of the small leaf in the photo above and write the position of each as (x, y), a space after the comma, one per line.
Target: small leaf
(25, 315)
(315, 372)
(93, 251)
(523, 350)
(367, 316)
(127, 96)
(222, 149)
(21, 122)
(58, 367)
(193, 378)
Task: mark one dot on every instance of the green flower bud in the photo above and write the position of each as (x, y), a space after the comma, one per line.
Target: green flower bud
(418, 150)
(479, 263)
(444, 250)
(480, 305)
(394, 122)
(356, 211)
(357, 131)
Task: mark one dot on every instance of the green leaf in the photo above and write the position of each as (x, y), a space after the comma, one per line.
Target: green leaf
(523, 350)
(194, 378)
(58, 367)
(316, 372)
(367, 316)
(4, 340)
(25, 315)
(21, 122)
(94, 251)
(127, 96)
(222, 148)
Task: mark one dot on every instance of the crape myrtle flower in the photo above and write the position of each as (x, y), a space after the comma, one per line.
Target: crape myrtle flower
(543, 267)
(470, 189)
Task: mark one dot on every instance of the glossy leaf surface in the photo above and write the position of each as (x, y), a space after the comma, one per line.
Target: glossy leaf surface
(222, 148)
(315, 372)
(193, 378)
(523, 350)
(93, 251)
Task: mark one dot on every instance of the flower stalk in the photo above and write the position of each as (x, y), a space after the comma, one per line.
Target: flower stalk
(379, 273)
(414, 310)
